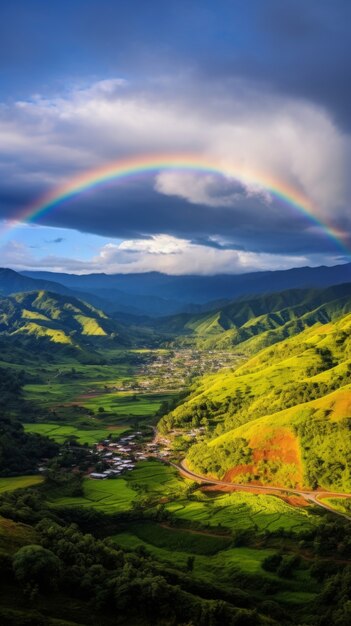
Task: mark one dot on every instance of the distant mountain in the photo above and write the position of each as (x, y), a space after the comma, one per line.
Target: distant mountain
(13, 282)
(97, 291)
(192, 289)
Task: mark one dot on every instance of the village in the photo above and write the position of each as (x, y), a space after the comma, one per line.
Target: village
(176, 369)
(119, 457)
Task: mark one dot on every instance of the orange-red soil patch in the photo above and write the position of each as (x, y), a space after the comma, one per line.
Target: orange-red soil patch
(279, 447)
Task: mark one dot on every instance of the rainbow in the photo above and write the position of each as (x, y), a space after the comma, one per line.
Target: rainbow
(154, 164)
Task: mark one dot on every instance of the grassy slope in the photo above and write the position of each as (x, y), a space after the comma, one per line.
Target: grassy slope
(54, 316)
(108, 496)
(263, 320)
(310, 374)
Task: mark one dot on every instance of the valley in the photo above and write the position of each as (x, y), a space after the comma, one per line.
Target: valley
(211, 454)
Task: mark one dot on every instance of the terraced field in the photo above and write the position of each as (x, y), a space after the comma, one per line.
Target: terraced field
(156, 477)
(235, 511)
(243, 511)
(214, 569)
(108, 496)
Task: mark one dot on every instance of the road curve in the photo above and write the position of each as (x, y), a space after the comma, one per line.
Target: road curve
(309, 496)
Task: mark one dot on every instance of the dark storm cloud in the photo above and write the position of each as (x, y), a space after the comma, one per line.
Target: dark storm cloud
(308, 49)
(136, 213)
(295, 46)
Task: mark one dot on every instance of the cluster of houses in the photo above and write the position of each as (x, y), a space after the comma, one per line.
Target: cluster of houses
(119, 457)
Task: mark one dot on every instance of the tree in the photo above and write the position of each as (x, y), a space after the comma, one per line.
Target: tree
(35, 565)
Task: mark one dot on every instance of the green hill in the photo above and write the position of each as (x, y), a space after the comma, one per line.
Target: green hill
(59, 318)
(283, 418)
(260, 321)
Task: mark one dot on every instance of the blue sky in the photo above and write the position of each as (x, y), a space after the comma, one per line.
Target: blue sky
(261, 83)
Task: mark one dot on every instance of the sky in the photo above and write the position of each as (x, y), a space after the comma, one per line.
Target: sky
(259, 83)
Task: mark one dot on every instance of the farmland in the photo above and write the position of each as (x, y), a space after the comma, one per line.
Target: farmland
(109, 496)
(62, 433)
(19, 482)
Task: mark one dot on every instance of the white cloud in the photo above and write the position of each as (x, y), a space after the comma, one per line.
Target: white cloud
(161, 253)
(209, 189)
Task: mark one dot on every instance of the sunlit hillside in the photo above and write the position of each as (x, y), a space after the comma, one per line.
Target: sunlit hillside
(281, 418)
(257, 322)
(60, 318)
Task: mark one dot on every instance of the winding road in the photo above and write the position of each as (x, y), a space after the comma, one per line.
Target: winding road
(310, 496)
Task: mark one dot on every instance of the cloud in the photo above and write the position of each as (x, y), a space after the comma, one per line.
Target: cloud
(209, 190)
(44, 141)
(161, 253)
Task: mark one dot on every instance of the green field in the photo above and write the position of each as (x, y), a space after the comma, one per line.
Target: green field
(108, 496)
(157, 478)
(96, 396)
(62, 433)
(215, 569)
(234, 511)
(19, 482)
(127, 403)
(243, 511)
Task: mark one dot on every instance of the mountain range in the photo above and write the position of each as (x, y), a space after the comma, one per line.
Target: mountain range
(156, 294)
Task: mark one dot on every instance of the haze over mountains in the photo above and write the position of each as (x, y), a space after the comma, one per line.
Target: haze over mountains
(158, 294)
(40, 307)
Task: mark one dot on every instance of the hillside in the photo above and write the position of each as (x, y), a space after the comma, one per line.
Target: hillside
(255, 323)
(281, 417)
(59, 318)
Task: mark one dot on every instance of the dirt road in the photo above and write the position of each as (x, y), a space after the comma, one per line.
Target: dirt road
(310, 496)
